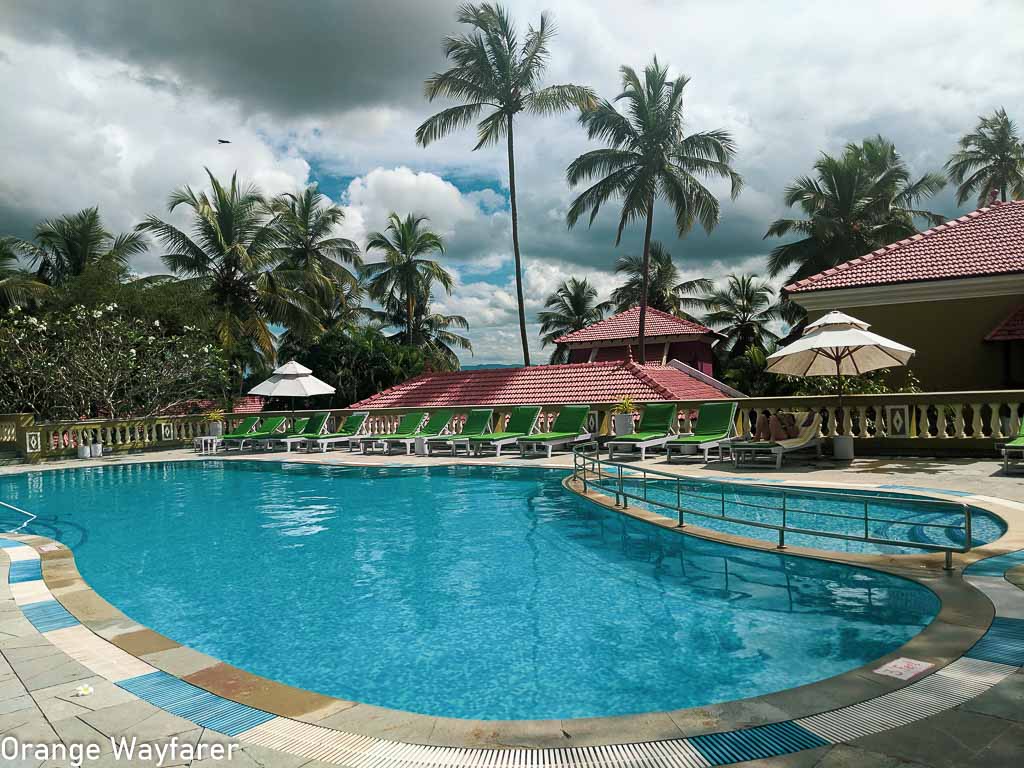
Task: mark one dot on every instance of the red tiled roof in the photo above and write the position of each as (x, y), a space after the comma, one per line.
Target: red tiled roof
(989, 241)
(545, 385)
(1011, 329)
(626, 326)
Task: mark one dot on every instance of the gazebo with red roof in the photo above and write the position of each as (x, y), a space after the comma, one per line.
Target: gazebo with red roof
(666, 338)
(953, 293)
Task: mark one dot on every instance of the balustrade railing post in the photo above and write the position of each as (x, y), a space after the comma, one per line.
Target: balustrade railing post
(622, 490)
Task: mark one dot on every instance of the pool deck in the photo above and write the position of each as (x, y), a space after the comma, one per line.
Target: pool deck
(40, 667)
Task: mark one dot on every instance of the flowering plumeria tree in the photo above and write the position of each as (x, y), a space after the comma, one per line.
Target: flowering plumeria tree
(95, 363)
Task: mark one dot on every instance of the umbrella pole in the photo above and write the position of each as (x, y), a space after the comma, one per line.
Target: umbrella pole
(840, 415)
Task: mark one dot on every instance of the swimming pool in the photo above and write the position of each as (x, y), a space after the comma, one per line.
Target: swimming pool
(892, 515)
(473, 592)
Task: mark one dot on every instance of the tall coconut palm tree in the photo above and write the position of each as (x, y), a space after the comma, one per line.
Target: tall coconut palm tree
(665, 290)
(17, 285)
(990, 160)
(405, 275)
(649, 157)
(496, 72)
(305, 223)
(231, 253)
(859, 201)
(68, 245)
(741, 311)
(572, 306)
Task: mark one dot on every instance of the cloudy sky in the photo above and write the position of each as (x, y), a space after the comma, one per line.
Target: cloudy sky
(116, 103)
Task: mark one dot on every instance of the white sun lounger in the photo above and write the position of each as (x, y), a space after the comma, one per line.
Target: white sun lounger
(749, 452)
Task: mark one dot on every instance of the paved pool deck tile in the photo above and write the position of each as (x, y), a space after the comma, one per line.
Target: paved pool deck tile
(957, 739)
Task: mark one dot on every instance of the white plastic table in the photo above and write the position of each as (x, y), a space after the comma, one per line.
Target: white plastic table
(207, 443)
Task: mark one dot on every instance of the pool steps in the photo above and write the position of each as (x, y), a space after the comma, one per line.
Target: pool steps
(996, 655)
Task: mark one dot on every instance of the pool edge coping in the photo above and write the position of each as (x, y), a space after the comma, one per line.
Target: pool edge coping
(973, 615)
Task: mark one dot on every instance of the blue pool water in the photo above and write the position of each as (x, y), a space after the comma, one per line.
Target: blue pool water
(892, 516)
(470, 592)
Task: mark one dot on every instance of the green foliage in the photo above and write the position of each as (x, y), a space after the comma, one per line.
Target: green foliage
(649, 157)
(741, 311)
(67, 246)
(749, 374)
(665, 290)
(100, 363)
(403, 284)
(497, 72)
(989, 161)
(231, 255)
(854, 203)
(17, 285)
(359, 362)
(311, 256)
(572, 306)
(625, 405)
(880, 382)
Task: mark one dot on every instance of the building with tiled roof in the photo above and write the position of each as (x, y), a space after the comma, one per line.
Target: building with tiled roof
(945, 292)
(666, 337)
(597, 384)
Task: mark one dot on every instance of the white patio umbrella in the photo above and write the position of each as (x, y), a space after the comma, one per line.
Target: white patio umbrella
(838, 345)
(292, 380)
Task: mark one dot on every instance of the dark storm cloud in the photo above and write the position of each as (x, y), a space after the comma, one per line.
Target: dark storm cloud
(295, 58)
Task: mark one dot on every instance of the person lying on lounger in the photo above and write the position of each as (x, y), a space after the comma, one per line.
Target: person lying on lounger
(778, 426)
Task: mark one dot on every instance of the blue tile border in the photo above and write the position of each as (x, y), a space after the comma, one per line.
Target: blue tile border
(1003, 643)
(48, 615)
(25, 570)
(754, 743)
(192, 703)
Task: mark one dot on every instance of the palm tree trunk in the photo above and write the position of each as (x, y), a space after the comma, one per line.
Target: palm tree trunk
(644, 280)
(409, 308)
(515, 244)
(1002, 192)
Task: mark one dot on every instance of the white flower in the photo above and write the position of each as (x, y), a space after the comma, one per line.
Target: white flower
(156, 323)
(84, 690)
(97, 313)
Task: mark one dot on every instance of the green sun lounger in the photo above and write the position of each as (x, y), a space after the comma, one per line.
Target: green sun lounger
(521, 422)
(314, 427)
(568, 428)
(268, 441)
(1013, 452)
(350, 432)
(247, 425)
(655, 429)
(476, 425)
(716, 423)
(269, 427)
(435, 426)
(407, 426)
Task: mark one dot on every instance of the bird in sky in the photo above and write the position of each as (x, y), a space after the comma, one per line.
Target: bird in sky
(223, 141)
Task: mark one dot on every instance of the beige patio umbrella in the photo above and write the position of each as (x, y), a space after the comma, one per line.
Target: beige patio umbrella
(838, 345)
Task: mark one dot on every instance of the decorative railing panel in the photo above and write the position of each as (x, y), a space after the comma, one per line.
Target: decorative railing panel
(950, 422)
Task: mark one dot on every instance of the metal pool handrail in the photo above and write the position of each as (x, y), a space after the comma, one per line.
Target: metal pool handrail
(29, 515)
(582, 461)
